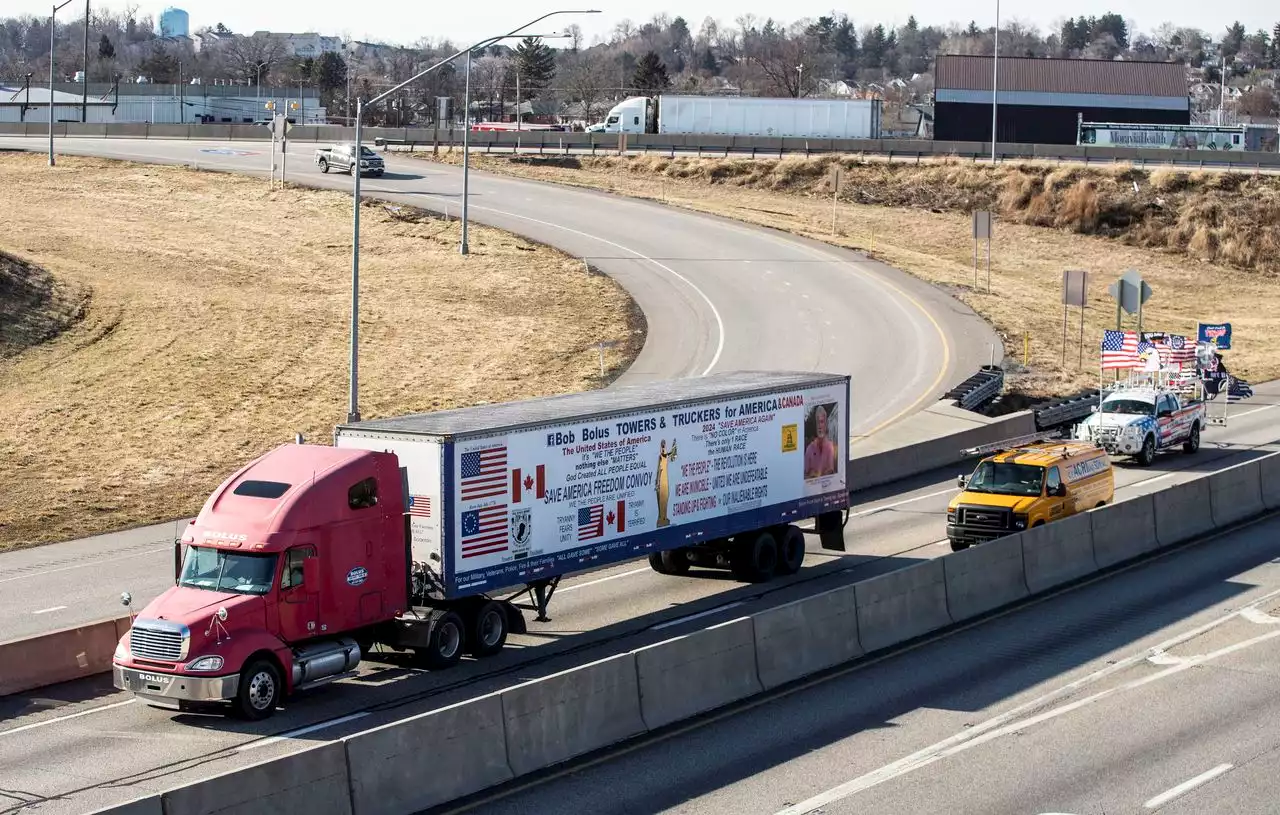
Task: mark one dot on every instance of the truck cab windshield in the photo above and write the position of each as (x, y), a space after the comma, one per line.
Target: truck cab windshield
(217, 570)
(1133, 407)
(1006, 479)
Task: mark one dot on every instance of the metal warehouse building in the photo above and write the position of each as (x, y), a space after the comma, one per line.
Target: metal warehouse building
(1040, 99)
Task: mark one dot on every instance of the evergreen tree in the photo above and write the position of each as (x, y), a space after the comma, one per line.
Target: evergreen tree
(536, 63)
(1275, 46)
(650, 75)
(105, 49)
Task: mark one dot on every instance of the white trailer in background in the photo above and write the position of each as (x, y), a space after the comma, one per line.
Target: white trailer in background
(745, 116)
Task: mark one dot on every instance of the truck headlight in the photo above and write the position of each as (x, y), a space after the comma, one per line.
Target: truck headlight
(205, 664)
(951, 516)
(1133, 431)
(122, 651)
(1019, 521)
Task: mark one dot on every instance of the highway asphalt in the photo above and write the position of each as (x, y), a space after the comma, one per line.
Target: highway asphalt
(1151, 690)
(120, 748)
(718, 295)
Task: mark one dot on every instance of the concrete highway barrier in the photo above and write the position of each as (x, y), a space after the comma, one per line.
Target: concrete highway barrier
(60, 656)
(1182, 512)
(807, 636)
(313, 781)
(901, 605)
(150, 805)
(1123, 531)
(394, 771)
(564, 715)
(675, 675)
(1269, 478)
(1236, 493)
(985, 577)
(1058, 553)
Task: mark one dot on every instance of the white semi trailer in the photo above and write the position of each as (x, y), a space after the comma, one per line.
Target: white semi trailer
(745, 116)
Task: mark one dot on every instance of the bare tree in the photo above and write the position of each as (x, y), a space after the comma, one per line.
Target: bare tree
(245, 54)
(791, 63)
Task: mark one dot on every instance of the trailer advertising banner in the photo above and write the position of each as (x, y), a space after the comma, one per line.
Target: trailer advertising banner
(543, 502)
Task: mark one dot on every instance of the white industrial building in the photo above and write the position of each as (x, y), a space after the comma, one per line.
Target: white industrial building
(159, 104)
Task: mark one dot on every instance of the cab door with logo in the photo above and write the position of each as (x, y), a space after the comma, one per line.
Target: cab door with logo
(1057, 502)
(299, 603)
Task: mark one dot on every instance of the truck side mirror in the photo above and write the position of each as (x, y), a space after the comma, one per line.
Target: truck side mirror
(177, 560)
(1059, 491)
(962, 481)
(311, 573)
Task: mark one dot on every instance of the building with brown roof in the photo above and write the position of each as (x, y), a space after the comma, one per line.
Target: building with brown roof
(1039, 100)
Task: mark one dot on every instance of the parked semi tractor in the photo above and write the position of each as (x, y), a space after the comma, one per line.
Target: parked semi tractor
(745, 116)
(406, 531)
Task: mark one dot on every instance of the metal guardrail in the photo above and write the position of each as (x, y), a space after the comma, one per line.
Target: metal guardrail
(1067, 410)
(979, 389)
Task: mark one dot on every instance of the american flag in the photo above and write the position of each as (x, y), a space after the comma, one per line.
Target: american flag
(484, 473)
(591, 522)
(1119, 350)
(484, 531)
(420, 505)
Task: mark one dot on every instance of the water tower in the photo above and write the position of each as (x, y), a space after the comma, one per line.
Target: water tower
(174, 22)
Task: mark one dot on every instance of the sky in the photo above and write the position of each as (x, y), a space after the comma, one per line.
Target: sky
(405, 22)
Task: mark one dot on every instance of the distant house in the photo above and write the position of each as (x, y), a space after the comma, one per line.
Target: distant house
(304, 45)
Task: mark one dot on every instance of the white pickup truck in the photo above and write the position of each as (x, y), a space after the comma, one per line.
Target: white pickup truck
(1141, 422)
(339, 157)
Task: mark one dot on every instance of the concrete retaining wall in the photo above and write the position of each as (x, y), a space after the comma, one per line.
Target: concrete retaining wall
(567, 714)
(806, 636)
(430, 759)
(1269, 478)
(150, 805)
(314, 782)
(986, 577)
(1123, 531)
(60, 656)
(901, 605)
(1236, 493)
(1058, 553)
(676, 675)
(1183, 512)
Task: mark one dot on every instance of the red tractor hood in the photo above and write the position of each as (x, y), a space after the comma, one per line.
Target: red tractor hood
(195, 608)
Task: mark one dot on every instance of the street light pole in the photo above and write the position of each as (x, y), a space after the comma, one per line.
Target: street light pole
(995, 84)
(52, 31)
(466, 150)
(353, 409)
(84, 86)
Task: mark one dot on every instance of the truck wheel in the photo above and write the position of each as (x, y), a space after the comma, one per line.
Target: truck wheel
(675, 561)
(445, 640)
(959, 546)
(754, 558)
(351, 170)
(324, 166)
(1147, 455)
(790, 550)
(488, 630)
(260, 689)
(1192, 443)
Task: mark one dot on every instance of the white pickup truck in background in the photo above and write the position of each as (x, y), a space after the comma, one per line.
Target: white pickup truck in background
(1143, 421)
(339, 157)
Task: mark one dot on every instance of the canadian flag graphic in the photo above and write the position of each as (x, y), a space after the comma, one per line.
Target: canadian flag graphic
(522, 482)
(618, 519)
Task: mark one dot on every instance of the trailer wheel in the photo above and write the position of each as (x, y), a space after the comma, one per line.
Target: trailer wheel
(790, 550)
(260, 690)
(488, 630)
(445, 640)
(675, 561)
(754, 557)
(655, 563)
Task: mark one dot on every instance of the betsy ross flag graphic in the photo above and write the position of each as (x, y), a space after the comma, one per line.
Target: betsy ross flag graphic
(484, 531)
(1181, 352)
(1119, 350)
(420, 505)
(592, 520)
(522, 482)
(484, 473)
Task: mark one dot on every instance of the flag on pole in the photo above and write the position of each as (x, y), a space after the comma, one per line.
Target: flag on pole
(1120, 350)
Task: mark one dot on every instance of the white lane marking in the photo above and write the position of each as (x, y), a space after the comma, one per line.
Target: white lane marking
(301, 731)
(706, 613)
(1257, 615)
(30, 575)
(68, 717)
(1248, 412)
(577, 586)
(47, 610)
(883, 507)
(1009, 723)
(1186, 786)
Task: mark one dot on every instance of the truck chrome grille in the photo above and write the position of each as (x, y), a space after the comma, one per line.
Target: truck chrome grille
(984, 518)
(155, 640)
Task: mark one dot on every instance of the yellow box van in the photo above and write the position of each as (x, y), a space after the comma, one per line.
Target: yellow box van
(1028, 485)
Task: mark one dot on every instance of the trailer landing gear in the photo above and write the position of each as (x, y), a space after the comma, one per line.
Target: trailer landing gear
(540, 592)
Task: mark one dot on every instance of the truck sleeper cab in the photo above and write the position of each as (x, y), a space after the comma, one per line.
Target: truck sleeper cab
(1027, 486)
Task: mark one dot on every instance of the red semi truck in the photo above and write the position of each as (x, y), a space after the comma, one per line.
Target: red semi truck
(402, 531)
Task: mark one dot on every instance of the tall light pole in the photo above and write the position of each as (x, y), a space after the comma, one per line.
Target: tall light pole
(257, 88)
(52, 31)
(84, 86)
(353, 409)
(799, 80)
(995, 83)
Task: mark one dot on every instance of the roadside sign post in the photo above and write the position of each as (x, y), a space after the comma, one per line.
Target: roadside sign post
(981, 229)
(1075, 292)
(603, 345)
(835, 195)
(1129, 292)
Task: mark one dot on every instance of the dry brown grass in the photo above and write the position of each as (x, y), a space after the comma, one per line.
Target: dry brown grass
(218, 325)
(893, 220)
(35, 307)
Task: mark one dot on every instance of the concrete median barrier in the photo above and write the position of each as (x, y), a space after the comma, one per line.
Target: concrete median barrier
(1183, 512)
(1269, 480)
(984, 577)
(1236, 493)
(59, 656)
(430, 759)
(1058, 552)
(806, 636)
(150, 805)
(1123, 531)
(692, 674)
(901, 605)
(314, 781)
(564, 715)
(126, 131)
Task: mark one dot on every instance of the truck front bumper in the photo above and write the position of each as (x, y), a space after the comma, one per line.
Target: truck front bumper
(168, 690)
